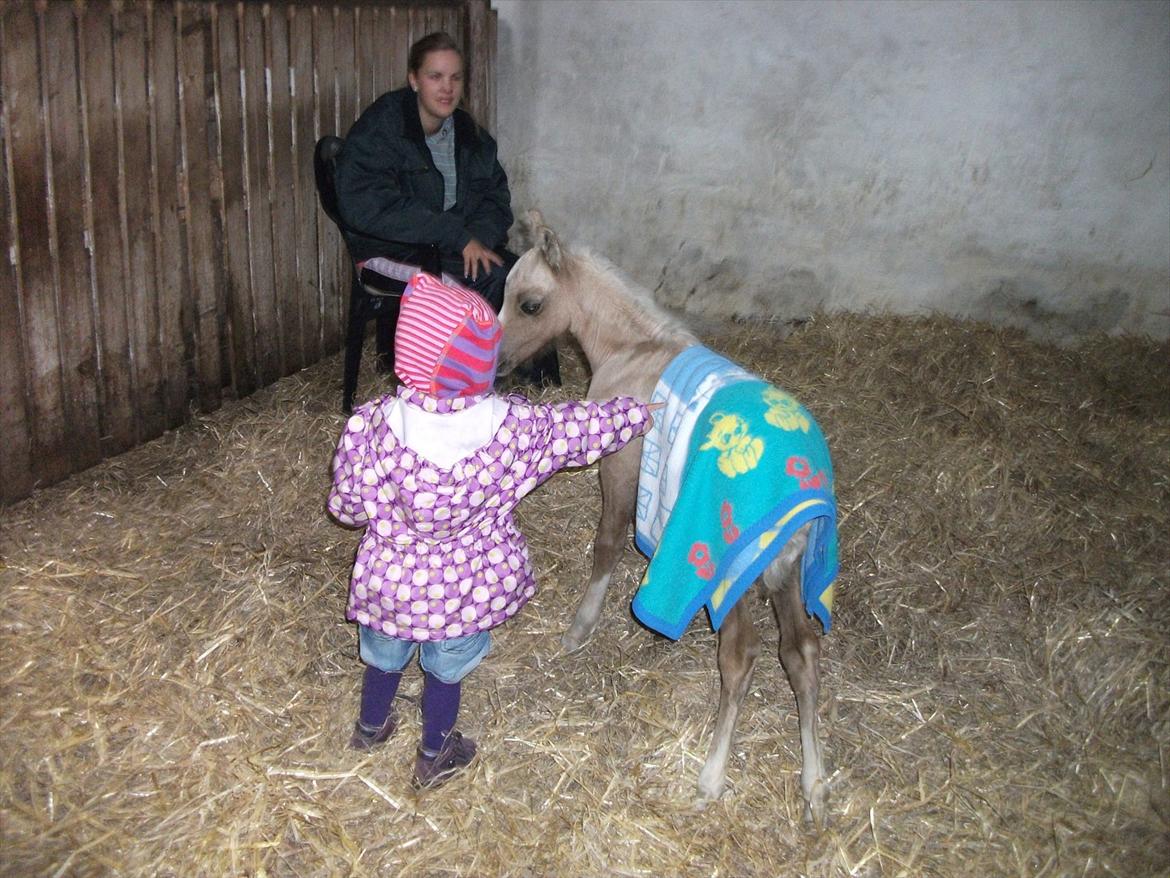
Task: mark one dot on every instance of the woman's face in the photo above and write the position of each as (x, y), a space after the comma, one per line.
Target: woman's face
(439, 83)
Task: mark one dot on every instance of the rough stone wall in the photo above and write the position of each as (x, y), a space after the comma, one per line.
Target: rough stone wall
(1008, 160)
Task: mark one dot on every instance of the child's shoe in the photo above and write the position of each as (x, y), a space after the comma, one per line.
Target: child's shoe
(433, 769)
(367, 738)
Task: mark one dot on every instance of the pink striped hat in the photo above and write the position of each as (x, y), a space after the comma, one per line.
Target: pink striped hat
(448, 339)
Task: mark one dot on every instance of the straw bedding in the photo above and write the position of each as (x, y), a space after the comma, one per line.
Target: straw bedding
(179, 683)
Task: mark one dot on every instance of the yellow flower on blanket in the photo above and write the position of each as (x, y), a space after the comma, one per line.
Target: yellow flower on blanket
(739, 451)
(784, 411)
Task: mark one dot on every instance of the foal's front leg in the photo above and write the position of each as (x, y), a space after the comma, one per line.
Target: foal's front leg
(619, 486)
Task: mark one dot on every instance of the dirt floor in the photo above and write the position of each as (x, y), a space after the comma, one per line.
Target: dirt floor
(179, 683)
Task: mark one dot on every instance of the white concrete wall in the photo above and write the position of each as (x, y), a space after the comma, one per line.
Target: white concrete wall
(1002, 158)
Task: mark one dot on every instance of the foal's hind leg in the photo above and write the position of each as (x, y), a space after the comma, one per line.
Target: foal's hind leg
(739, 647)
(800, 653)
(619, 485)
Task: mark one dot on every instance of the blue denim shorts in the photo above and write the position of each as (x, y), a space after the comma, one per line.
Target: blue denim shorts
(450, 660)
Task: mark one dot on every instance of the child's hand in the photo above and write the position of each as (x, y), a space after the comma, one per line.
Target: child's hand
(652, 407)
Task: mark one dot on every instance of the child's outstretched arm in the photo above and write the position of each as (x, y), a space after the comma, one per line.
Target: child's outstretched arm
(580, 433)
(350, 471)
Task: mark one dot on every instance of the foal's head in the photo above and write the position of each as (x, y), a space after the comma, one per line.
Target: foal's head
(537, 307)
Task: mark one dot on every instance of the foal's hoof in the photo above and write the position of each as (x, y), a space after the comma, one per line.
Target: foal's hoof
(572, 642)
(578, 635)
(703, 801)
(816, 809)
(710, 790)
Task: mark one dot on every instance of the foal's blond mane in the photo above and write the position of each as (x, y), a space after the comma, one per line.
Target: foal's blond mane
(631, 316)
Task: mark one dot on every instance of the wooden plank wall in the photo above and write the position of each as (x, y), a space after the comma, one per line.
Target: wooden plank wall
(162, 248)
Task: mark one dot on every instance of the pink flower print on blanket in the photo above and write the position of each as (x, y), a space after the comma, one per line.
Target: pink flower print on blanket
(727, 521)
(799, 468)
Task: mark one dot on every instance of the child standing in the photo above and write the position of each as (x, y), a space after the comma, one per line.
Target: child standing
(433, 473)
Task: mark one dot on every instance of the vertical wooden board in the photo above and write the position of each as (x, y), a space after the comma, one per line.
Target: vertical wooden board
(326, 20)
(343, 47)
(281, 173)
(16, 468)
(475, 99)
(365, 61)
(417, 27)
(373, 55)
(245, 372)
(399, 46)
(347, 72)
(75, 314)
(199, 232)
(304, 181)
(166, 230)
(23, 62)
(138, 232)
(215, 171)
(450, 19)
(444, 18)
(381, 29)
(96, 39)
(493, 48)
(269, 344)
(452, 22)
(328, 238)
(357, 14)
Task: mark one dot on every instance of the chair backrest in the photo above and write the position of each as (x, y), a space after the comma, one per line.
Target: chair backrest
(324, 167)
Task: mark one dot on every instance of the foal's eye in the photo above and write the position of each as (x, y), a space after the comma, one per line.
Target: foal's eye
(531, 307)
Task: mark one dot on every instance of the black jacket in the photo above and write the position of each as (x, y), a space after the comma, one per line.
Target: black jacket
(388, 186)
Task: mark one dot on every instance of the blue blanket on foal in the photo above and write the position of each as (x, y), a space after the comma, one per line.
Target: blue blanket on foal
(731, 469)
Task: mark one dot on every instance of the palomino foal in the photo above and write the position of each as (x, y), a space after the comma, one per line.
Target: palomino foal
(628, 342)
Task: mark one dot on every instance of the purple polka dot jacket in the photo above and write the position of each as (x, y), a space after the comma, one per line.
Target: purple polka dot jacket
(441, 555)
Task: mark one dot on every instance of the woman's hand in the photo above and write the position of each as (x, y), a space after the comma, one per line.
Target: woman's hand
(476, 255)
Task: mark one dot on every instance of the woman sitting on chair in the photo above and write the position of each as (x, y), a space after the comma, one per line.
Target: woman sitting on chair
(415, 168)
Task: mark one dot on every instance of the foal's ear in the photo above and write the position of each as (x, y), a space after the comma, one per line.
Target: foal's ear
(544, 239)
(550, 248)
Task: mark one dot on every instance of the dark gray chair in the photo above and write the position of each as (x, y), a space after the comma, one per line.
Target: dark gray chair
(373, 295)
